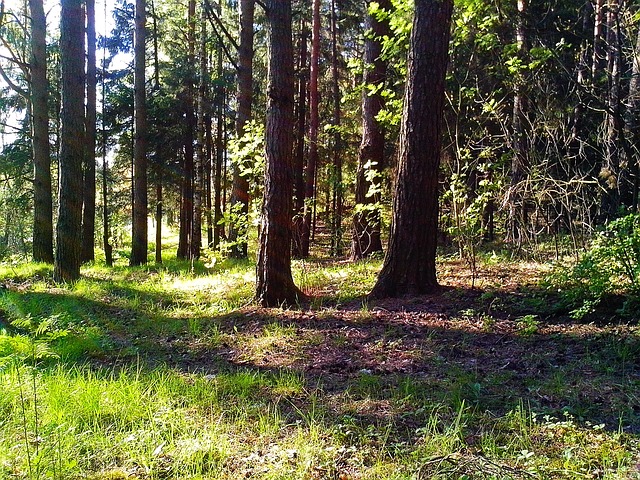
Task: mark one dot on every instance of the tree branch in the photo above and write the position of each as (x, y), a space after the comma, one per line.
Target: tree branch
(23, 93)
(213, 19)
(212, 14)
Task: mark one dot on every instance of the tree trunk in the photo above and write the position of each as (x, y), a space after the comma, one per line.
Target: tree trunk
(610, 173)
(208, 169)
(69, 226)
(314, 124)
(42, 195)
(337, 200)
(158, 213)
(89, 207)
(365, 236)
(198, 184)
(186, 196)
(139, 236)
(217, 202)
(298, 164)
(240, 185)
(520, 140)
(633, 125)
(106, 233)
(274, 282)
(410, 263)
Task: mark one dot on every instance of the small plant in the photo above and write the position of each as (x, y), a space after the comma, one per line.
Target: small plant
(529, 325)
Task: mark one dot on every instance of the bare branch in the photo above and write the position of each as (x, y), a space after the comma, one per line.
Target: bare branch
(23, 93)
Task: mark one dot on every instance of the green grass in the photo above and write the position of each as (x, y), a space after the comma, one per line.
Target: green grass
(170, 372)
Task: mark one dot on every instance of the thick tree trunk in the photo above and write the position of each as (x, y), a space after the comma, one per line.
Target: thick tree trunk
(89, 207)
(42, 195)
(314, 125)
(410, 263)
(274, 282)
(365, 231)
(240, 185)
(68, 228)
(140, 205)
(298, 162)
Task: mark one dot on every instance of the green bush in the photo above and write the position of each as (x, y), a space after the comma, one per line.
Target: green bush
(611, 268)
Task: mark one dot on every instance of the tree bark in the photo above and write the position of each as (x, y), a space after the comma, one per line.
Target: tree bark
(610, 173)
(274, 282)
(89, 207)
(186, 196)
(217, 176)
(337, 193)
(140, 209)
(42, 194)
(410, 262)
(298, 164)
(314, 124)
(68, 228)
(240, 185)
(198, 184)
(365, 230)
(520, 136)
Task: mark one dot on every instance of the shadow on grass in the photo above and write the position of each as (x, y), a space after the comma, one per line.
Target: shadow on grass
(386, 361)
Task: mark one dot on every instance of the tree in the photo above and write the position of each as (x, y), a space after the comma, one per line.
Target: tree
(410, 263)
(68, 228)
(314, 125)
(274, 282)
(42, 195)
(186, 199)
(365, 231)
(89, 204)
(140, 205)
(240, 185)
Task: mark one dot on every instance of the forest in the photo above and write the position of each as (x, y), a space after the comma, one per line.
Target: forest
(334, 239)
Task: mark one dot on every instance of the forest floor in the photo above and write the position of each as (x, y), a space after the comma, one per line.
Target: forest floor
(494, 381)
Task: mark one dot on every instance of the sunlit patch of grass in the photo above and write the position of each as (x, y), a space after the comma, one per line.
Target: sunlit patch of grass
(275, 341)
(338, 282)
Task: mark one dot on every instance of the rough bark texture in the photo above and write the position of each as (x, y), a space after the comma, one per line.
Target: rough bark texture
(140, 204)
(410, 263)
(365, 231)
(314, 123)
(240, 185)
(89, 206)
(42, 195)
(274, 282)
(68, 228)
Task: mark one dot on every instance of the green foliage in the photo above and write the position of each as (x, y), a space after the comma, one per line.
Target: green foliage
(610, 267)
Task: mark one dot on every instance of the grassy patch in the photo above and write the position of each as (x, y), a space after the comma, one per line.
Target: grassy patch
(170, 372)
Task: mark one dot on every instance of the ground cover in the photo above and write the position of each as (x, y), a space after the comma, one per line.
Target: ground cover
(172, 372)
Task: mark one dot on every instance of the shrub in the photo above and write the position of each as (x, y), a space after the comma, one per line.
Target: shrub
(610, 268)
